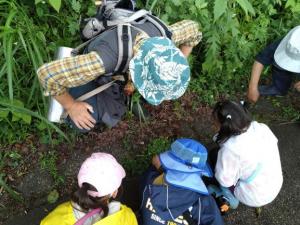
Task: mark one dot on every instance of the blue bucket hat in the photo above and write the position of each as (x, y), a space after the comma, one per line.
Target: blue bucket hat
(185, 163)
(159, 70)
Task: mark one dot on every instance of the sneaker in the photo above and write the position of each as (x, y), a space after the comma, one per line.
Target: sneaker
(269, 90)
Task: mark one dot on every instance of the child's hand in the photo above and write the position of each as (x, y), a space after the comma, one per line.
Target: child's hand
(156, 162)
(297, 86)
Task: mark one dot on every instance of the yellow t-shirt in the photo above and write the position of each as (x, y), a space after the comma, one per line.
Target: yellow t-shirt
(63, 215)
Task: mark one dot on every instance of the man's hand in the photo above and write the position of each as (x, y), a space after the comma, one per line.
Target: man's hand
(253, 94)
(297, 86)
(186, 50)
(79, 112)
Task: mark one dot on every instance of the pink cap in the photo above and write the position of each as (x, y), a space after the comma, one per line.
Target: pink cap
(103, 172)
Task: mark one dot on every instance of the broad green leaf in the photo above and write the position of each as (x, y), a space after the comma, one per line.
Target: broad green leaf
(293, 5)
(177, 2)
(37, 1)
(55, 4)
(246, 6)
(290, 3)
(296, 8)
(26, 118)
(220, 7)
(16, 116)
(200, 4)
(3, 113)
(42, 126)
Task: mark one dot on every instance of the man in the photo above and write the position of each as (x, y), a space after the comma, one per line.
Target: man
(155, 59)
(284, 56)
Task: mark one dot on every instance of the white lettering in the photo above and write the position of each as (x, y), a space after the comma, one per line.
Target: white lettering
(149, 205)
(157, 218)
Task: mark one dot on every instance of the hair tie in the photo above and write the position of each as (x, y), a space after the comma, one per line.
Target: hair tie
(228, 116)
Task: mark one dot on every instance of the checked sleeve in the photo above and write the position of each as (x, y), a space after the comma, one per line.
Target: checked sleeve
(59, 75)
(186, 32)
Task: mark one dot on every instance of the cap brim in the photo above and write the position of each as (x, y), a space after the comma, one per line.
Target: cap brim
(282, 59)
(189, 181)
(169, 163)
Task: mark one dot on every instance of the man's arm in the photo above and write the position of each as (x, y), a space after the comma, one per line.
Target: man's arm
(253, 93)
(186, 35)
(57, 76)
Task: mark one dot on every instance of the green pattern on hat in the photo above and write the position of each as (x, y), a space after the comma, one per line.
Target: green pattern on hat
(159, 70)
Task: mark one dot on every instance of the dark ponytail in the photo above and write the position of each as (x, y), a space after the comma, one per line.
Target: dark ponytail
(87, 202)
(233, 117)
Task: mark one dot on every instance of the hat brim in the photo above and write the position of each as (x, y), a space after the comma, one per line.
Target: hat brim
(159, 70)
(281, 57)
(189, 181)
(169, 163)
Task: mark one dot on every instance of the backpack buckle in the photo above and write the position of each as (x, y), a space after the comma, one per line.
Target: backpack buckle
(125, 37)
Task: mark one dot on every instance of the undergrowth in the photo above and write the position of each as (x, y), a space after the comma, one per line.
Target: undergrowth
(138, 163)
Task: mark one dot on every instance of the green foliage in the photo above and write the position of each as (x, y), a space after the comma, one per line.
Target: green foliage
(11, 157)
(53, 196)
(30, 32)
(48, 162)
(135, 104)
(233, 33)
(290, 113)
(139, 163)
(56, 4)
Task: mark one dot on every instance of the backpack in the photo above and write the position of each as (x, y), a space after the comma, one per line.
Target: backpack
(123, 15)
(110, 14)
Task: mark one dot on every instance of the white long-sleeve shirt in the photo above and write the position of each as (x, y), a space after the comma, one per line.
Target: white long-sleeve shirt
(240, 156)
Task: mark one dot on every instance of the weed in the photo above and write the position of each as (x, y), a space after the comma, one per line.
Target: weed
(290, 113)
(48, 162)
(14, 159)
(178, 109)
(139, 163)
(9, 190)
(135, 106)
(3, 157)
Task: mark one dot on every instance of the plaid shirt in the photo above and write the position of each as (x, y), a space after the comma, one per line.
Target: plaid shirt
(61, 74)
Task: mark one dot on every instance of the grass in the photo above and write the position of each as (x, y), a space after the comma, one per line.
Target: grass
(48, 162)
(3, 184)
(137, 164)
(23, 49)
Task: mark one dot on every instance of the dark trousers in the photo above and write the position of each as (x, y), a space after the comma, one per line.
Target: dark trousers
(282, 79)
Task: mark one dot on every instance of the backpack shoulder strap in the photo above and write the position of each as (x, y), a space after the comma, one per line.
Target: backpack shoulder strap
(125, 46)
(135, 16)
(159, 25)
(87, 216)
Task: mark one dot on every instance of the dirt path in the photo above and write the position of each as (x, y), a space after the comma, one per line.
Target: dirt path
(129, 139)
